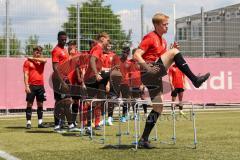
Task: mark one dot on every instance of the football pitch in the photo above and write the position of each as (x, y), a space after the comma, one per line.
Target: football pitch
(218, 136)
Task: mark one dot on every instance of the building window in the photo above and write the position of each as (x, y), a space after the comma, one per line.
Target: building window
(237, 14)
(182, 29)
(182, 34)
(228, 15)
(196, 29)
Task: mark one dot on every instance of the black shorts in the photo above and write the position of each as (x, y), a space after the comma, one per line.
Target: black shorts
(176, 91)
(154, 81)
(125, 91)
(78, 92)
(59, 94)
(37, 91)
(136, 92)
(95, 88)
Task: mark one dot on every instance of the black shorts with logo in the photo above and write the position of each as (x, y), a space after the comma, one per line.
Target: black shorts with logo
(37, 91)
(176, 91)
(154, 81)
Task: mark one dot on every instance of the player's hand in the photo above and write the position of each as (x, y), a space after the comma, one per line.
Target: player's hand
(84, 86)
(27, 89)
(80, 80)
(151, 69)
(64, 87)
(141, 87)
(175, 45)
(108, 88)
(98, 77)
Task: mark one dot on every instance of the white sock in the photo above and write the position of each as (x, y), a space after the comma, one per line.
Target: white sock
(28, 121)
(40, 121)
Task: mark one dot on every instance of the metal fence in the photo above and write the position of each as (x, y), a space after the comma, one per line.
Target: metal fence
(28, 23)
(25, 23)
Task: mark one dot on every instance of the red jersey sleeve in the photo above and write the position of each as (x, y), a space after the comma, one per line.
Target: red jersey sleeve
(96, 52)
(26, 66)
(55, 57)
(146, 43)
(170, 71)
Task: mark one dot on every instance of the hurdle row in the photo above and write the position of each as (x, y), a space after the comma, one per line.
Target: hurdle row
(137, 105)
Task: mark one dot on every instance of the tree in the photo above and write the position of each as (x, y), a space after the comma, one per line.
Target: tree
(14, 43)
(31, 43)
(95, 18)
(47, 48)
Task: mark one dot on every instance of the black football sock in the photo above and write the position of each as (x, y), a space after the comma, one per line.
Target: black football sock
(150, 123)
(183, 66)
(28, 113)
(40, 112)
(74, 112)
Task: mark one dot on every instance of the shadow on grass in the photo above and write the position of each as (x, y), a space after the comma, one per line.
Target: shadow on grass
(49, 124)
(39, 131)
(16, 127)
(71, 134)
(122, 147)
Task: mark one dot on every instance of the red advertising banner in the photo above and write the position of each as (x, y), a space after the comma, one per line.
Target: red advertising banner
(223, 85)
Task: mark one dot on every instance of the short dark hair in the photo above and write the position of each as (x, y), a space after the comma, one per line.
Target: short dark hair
(126, 49)
(62, 33)
(71, 42)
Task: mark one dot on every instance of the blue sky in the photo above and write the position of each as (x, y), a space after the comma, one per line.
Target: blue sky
(45, 17)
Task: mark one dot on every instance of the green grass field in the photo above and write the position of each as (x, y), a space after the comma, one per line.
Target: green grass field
(218, 134)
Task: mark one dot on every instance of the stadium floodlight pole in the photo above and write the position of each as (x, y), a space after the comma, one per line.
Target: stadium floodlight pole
(78, 26)
(142, 21)
(203, 32)
(203, 39)
(7, 36)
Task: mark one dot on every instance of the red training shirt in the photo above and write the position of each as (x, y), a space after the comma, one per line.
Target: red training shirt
(177, 77)
(35, 72)
(153, 45)
(96, 51)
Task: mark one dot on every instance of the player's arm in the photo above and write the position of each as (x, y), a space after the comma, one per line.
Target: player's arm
(79, 74)
(26, 77)
(94, 67)
(108, 87)
(184, 81)
(170, 81)
(138, 57)
(55, 69)
(41, 59)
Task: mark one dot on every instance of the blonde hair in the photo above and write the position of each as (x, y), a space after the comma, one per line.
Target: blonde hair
(159, 18)
(102, 34)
